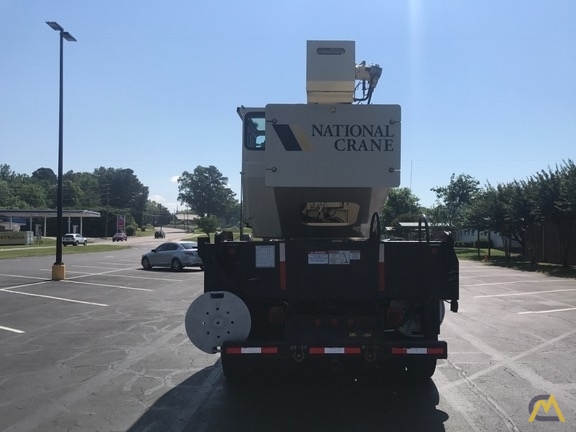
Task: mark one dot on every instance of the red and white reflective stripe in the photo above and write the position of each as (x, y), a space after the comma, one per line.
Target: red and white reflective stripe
(381, 280)
(335, 350)
(404, 351)
(252, 350)
(282, 249)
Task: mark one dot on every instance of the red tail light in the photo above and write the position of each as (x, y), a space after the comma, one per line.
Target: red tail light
(395, 314)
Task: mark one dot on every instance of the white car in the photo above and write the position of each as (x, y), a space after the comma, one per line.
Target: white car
(74, 239)
(176, 255)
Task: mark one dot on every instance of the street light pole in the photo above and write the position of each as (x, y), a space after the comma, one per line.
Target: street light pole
(59, 269)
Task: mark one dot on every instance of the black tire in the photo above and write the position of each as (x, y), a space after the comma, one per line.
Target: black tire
(75, 243)
(176, 265)
(146, 264)
(85, 243)
(235, 368)
(422, 370)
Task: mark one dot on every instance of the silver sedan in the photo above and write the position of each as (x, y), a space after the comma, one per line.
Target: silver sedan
(175, 254)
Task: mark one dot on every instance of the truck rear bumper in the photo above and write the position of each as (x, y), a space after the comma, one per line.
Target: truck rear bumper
(369, 352)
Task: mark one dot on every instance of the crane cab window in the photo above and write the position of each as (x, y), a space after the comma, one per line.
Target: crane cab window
(255, 131)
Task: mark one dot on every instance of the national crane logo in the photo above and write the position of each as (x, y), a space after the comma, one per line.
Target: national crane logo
(344, 137)
(356, 137)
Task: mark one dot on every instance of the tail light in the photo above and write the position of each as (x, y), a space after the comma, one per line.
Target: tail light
(396, 313)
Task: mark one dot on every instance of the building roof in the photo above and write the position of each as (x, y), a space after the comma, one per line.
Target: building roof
(186, 216)
(48, 213)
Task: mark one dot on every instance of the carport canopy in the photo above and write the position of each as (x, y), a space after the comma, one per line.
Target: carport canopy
(49, 213)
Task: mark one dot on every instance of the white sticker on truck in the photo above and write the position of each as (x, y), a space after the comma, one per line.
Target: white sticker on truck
(318, 257)
(265, 257)
(339, 257)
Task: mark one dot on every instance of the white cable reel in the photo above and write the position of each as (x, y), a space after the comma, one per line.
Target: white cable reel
(217, 317)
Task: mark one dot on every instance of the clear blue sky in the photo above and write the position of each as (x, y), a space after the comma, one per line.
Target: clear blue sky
(487, 87)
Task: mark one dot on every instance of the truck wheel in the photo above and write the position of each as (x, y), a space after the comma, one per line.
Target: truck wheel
(235, 368)
(422, 370)
(392, 372)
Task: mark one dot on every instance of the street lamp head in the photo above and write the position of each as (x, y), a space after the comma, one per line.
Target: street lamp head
(58, 28)
(68, 37)
(55, 26)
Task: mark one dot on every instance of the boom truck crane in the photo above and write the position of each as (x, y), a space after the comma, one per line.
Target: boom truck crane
(320, 286)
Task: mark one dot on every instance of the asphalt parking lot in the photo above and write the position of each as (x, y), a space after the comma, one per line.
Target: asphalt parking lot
(96, 280)
(91, 328)
(106, 350)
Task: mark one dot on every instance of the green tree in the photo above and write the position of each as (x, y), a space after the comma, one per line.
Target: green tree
(28, 193)
(6, 172)
(124, 192)
(71, 194)
(232, 213)
(401, 206)
(567, 206)
(205, 192)
(156, 214)
(456, 197)
(45, 175)
(207, 224)
(556, 202)
(7, 198)
(492, 210)
(81, 190)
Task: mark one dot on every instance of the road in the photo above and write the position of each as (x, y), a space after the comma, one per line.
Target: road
(106, 350)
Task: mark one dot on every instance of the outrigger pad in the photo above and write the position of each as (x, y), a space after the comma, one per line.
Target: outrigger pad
(217, 317)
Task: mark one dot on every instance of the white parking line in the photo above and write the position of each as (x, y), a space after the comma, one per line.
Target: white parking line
(511, 282)
(108, 286)
(12, 329)
(524, 293)
(142, 277)
(108, 273)
(23, 285)
(547, 311)
(10, 290)
(105, 267)
(83, 274)
(23, 277)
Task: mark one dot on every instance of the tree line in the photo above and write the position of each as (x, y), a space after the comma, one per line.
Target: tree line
(118, 192)
(512, 209)
(110, 191)
(516, 209)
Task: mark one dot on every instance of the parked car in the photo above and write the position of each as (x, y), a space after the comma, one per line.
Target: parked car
(119, 237)
(74, 239)
(176, 255)
(159, 234)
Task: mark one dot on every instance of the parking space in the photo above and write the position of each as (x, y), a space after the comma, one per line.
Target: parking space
(106, 349)
(29, 299)
(523, 293)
